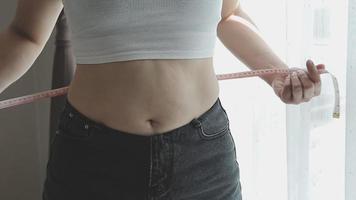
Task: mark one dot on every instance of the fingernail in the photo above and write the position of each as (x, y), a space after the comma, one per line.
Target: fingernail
(321, 66)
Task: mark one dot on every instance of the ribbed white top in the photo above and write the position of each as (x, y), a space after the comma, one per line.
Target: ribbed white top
(105, 31)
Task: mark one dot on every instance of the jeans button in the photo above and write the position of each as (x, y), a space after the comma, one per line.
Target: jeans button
(196, 123)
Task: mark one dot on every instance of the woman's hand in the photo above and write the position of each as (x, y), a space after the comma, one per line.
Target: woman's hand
(300, 85)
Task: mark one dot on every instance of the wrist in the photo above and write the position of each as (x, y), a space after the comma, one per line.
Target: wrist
(271, 77)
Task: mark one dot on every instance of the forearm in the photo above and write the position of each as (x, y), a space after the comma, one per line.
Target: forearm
(239, 34)
(17, 54)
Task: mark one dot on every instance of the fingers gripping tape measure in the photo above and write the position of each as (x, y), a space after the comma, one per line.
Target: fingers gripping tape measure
(62, 91)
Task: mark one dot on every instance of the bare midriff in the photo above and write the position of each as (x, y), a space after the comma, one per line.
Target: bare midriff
(144, 97)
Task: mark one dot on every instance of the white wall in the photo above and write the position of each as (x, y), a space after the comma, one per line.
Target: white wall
(24, 129)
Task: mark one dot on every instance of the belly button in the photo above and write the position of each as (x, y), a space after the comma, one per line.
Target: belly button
(152, 123)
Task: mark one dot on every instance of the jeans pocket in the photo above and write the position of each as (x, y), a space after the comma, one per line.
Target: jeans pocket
(215, 125)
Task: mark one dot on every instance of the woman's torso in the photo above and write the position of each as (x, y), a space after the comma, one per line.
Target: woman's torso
(145, 97)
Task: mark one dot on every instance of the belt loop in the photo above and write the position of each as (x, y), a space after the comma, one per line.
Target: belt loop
(71, 115)
(87, 129)
(86, 126)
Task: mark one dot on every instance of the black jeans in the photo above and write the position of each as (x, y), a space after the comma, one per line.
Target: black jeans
(91, 161)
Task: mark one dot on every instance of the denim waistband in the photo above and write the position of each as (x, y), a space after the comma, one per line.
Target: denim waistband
(70, 113)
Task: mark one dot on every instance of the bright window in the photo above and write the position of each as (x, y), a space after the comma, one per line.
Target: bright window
(290, 152)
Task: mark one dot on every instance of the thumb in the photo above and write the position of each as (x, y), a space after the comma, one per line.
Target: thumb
(313, 73)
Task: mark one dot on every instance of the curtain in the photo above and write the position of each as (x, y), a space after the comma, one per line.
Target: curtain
(290, 151)
(315, 145)
(350, 162)
(63, 69)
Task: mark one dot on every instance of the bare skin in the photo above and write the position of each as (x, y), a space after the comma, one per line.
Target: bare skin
(145, 97)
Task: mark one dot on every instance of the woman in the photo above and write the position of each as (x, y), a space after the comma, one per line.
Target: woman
(143, 118)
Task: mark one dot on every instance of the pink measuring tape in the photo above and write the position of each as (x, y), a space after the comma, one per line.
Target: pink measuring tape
(61, 91)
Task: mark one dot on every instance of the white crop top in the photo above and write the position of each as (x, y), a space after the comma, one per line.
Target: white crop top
(103, 31)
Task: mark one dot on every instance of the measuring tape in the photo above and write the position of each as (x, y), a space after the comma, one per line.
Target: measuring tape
(62, 91)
